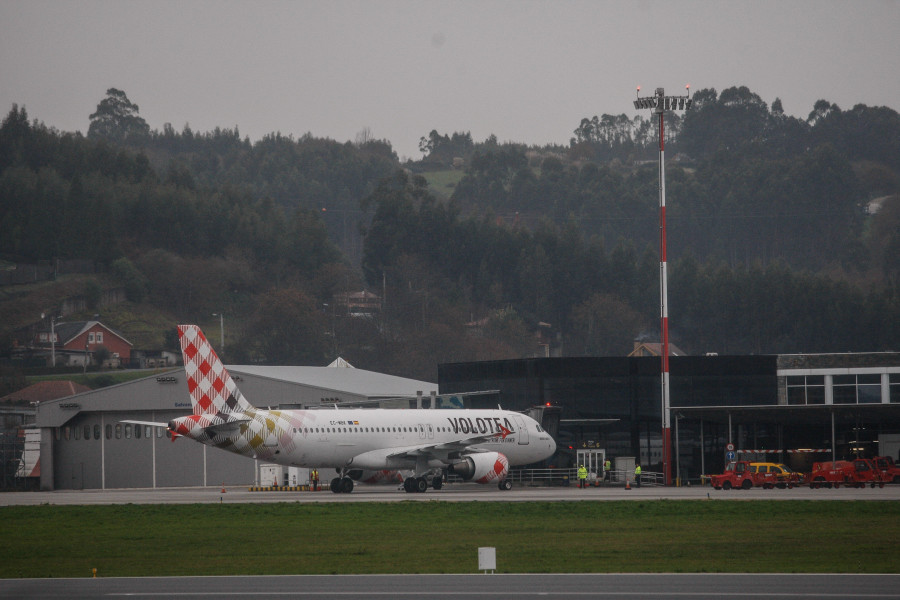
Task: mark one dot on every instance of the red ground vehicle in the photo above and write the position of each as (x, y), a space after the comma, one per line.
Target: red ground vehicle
(856, 473)
(890, 472)
(741, 474)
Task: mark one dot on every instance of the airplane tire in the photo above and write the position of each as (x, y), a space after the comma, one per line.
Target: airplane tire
(437, 482)
(505, 485)
(336, 485)
(421, 484)
(409, 485)
(346, 485)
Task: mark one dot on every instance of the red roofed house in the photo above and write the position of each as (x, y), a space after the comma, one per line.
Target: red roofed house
(654, 349)
(359, 304)
(78, 341)
(44, 390)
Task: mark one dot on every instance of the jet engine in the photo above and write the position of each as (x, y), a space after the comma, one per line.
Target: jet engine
(484, 467)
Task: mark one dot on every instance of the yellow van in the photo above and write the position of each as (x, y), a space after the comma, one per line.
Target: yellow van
(784, 476)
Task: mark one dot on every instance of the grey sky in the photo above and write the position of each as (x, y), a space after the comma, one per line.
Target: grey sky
(524, 71)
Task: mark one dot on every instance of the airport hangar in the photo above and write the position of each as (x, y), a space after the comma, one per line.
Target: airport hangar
(84, 445)
(790, 408)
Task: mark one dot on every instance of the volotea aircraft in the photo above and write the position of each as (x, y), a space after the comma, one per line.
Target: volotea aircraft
(477, 445)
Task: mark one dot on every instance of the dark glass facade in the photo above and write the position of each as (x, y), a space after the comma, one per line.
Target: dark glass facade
(615, 403)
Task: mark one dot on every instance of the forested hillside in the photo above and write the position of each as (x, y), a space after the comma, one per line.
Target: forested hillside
(772, 246)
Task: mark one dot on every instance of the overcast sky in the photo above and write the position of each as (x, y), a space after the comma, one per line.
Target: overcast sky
(526, 71)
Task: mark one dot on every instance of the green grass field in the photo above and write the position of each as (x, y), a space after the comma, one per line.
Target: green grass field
(443, 537)
(442, 183)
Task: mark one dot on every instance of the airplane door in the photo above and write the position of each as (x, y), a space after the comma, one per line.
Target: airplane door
(523, 430)
(429, 431)
(421, 429)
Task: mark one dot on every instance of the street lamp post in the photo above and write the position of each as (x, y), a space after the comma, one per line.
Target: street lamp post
(53, 341)
(660, 103)
(221, 330)
(52, 338)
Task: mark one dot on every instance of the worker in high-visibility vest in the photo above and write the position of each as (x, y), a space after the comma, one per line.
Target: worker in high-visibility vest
(314, 480)
(637, 476)
(582, 476)
(607, 466)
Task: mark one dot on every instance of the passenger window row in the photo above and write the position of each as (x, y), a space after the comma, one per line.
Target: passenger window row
(417, 429)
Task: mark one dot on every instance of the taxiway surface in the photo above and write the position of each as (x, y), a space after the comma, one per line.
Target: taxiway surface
(450, 493)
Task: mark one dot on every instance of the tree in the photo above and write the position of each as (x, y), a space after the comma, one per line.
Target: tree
(736, 119)
(101, 355)
(286, 329)
(134, 281)
(604, 325)
(444, 148)
(117, 119)
(14, 131)
(821, 110)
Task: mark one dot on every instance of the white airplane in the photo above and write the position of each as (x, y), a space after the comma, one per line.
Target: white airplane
(476, 445)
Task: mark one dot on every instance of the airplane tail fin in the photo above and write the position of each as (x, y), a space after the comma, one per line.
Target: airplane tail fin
(212, 390)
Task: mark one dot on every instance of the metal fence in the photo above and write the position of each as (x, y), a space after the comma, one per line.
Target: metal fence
(563, 477)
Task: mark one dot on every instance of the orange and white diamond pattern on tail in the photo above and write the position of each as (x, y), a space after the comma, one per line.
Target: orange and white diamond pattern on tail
(211, 388)
(217, 401)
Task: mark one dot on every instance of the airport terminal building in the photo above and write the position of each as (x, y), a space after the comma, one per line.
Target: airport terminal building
(795, 409)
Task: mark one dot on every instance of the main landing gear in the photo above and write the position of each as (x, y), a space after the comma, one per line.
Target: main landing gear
(341, 485)
(420, 484)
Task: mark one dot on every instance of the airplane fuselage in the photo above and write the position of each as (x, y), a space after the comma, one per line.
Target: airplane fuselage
(366, 438)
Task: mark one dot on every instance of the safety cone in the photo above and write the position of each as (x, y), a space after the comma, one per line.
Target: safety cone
(627, 485)
(223, 488)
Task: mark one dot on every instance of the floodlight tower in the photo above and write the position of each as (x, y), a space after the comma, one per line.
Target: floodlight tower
(660, 103)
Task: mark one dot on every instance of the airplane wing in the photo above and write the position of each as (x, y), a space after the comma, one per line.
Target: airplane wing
(406, 456)
(150, 423)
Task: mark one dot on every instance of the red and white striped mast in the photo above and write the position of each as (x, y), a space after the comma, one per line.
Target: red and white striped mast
(660, 103)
